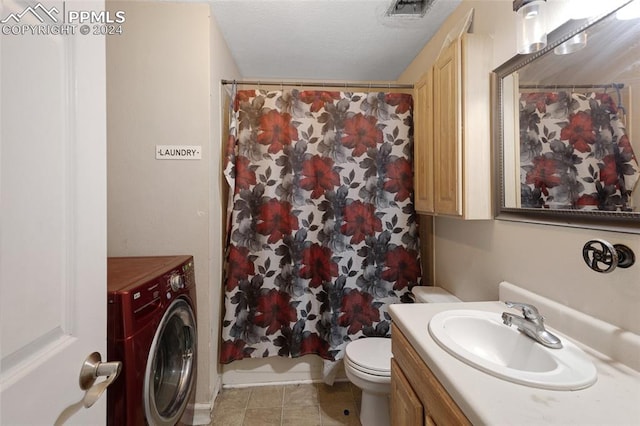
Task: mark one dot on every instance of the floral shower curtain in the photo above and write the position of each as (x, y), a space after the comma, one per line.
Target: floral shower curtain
(322, 232)
(574, 152)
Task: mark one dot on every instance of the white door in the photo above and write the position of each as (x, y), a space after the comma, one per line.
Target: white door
(52, 213)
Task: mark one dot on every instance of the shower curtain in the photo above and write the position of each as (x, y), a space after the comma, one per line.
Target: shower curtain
(574, 152)
(322, 229)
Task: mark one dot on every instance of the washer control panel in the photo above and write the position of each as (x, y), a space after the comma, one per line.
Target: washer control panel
(180, 278)
(176, 281)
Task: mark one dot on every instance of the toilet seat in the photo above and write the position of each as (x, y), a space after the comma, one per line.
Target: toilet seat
(370, 355)
(369, 375)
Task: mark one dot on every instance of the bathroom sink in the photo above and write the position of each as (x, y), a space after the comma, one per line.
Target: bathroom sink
(480, 339)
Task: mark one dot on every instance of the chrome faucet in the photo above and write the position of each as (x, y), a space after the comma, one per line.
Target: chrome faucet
(531, 324)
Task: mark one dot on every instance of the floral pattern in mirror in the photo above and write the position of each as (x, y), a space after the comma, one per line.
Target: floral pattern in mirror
(575, 152)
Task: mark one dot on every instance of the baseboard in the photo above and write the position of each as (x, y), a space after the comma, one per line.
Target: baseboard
(200, 413)
(275, 371)
(217, 387)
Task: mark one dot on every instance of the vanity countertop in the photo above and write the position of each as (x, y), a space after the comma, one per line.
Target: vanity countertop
(613, 400)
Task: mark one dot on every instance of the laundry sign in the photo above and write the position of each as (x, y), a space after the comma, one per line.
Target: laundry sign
(178, 152)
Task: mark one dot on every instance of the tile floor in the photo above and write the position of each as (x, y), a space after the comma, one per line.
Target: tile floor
(314, 404)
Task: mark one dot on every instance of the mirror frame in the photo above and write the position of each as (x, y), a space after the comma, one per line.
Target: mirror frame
(628, 222)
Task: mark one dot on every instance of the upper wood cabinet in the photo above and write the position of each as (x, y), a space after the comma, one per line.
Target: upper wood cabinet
(452, 132)
(423, 144)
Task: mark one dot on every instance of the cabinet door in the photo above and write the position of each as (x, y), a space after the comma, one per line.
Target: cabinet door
(423, 144)
(406, 408)
(447, 140)
(475, 68)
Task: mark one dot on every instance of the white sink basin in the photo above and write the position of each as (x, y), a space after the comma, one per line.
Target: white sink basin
(480, 339)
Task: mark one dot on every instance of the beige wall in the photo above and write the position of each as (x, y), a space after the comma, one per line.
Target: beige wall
(471, 258)
(163, 88)
(223, 66)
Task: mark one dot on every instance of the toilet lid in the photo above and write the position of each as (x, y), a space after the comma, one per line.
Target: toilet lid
(371, 353)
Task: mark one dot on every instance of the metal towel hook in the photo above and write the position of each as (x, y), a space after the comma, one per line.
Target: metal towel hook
(602, 256)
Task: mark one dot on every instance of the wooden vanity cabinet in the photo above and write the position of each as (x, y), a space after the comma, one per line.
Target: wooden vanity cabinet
(417, 397)
(452, 141)
(406, 407)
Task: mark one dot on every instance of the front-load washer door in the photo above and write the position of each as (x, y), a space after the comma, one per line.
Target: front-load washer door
(171, 365)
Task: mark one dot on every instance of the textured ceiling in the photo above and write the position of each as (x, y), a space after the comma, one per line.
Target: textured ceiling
(324, 39)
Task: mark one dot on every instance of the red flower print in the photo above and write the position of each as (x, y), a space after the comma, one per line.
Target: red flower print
(400, 179)
(357, 311)
(402, 101)
(541, 100)
(586, 200)
(240, 267)
(274, 311)
(360, 133)
(624, 144)
(243, 96)
(360, 221)
(313, 344)
(579, 132)
(319, 175)
(275, 219)
(318, 98)
(607, 101)
(245, 177)
(609, 171)
(318, 265)
(403, 267)
(544, 174)
(277, 131)
(231, 351)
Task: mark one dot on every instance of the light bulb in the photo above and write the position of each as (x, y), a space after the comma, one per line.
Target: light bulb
(530, 27)
(575, 43)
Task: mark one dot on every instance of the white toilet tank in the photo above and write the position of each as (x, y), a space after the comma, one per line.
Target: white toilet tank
(430, 294)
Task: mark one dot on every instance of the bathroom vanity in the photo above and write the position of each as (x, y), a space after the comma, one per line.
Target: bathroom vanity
(431, 386)
(417, 397)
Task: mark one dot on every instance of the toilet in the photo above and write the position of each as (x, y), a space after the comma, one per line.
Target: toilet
(367, 363)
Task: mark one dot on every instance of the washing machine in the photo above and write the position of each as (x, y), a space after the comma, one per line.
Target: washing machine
(151, 328)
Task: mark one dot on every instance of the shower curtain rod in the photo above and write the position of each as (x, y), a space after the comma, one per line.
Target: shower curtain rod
(573, 86)
(316, 84)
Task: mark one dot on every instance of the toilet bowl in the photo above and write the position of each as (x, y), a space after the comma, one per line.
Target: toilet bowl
(367, 364)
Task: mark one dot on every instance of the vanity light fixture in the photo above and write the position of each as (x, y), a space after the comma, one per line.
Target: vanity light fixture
(530, 25)
(575, 43)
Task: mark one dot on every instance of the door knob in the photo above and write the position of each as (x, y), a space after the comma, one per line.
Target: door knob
(92, 368)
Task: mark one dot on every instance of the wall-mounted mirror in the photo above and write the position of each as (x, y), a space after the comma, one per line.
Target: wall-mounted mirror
(567, 127)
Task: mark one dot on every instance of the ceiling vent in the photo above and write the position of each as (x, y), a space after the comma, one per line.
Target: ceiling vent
(409, 7)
